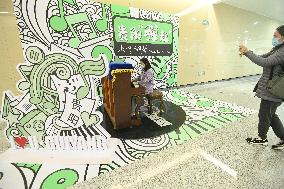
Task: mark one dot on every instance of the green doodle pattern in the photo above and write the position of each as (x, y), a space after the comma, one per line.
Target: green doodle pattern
(67, 42)
(60, 179)
(78, 25)
(74, 30)
(42, 96)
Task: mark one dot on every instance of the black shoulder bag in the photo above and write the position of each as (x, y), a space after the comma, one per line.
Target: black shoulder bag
(275, 85)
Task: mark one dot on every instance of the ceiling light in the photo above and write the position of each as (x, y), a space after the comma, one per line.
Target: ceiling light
(4, 12)
(255, 23)
(205, 22)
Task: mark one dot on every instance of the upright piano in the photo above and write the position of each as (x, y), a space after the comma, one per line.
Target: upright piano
(117, 93)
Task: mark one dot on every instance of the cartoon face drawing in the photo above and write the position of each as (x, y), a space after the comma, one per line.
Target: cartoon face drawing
(70, 85)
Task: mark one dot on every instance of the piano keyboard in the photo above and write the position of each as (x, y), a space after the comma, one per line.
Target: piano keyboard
(80, 131)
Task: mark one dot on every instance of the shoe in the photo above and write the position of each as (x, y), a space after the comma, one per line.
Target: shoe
(278, 146)
(259, 141)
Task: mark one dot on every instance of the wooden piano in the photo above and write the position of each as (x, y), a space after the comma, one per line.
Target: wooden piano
(117, 93)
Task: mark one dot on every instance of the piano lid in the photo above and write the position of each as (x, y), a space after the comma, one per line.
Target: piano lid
(118, 65)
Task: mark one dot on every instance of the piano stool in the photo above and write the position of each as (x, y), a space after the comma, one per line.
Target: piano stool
(156, 95)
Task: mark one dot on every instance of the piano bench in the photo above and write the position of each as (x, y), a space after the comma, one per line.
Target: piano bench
(156, 95)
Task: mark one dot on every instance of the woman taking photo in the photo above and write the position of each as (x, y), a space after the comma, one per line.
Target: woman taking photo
(273, 64)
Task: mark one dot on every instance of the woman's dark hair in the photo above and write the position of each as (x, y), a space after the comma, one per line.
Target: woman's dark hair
(147, 63)
(280, 29)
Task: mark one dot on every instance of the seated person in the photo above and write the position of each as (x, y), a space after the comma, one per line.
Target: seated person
(146, 79)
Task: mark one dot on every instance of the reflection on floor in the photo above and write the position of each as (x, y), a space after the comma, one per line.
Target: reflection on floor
(190, 115)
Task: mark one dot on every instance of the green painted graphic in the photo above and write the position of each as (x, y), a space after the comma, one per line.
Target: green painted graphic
(61, 179)
(132, 30)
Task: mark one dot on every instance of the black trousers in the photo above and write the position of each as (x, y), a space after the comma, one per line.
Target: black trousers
(268, 117)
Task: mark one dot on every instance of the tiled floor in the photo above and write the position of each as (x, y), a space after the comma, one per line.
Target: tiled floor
(220, 159)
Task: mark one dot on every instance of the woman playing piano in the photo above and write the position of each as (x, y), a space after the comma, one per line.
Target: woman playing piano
(146, 79)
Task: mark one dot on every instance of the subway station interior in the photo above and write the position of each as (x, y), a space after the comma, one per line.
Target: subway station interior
(132, 94)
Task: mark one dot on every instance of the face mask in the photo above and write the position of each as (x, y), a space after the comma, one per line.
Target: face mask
(276, 41)
(143, 65)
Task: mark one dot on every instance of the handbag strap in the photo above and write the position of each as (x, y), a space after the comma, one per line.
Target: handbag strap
(270, 53)
(271, 72)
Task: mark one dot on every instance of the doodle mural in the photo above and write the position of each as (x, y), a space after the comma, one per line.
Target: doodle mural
(67, 47)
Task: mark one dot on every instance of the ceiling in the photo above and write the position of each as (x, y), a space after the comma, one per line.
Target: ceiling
(167, 6)
(270, 8)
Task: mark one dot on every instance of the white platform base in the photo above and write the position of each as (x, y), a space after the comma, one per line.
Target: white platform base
(43, 156)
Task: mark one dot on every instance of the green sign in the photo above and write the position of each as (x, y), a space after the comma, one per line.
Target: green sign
(134, 37)
(132, 30)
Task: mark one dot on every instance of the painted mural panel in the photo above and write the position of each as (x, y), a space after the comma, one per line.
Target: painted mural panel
(86, 29)
(67, 46)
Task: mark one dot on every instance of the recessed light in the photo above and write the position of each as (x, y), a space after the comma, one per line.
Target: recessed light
(205, 22)
(255, 23)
